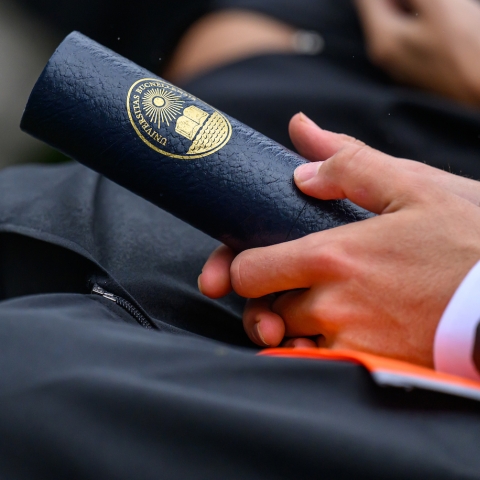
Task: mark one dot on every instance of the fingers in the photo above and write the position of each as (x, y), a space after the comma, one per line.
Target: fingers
(263, 327)
(314, 143)
(267, 329)
(300, 343)
(317, 145)
(214, 281)
(367, 177)
(296, 308)
(287, 266)
(316, 312)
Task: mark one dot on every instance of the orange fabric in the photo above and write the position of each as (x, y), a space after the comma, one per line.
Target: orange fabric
(373, 363)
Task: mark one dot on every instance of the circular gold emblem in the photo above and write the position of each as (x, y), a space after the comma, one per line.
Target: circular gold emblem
(175, 123)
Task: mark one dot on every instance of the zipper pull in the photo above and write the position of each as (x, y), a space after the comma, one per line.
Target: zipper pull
(100, 291)
(126, 305)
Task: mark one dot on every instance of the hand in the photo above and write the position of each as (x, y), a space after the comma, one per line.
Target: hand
(431, 44)
(378, 286)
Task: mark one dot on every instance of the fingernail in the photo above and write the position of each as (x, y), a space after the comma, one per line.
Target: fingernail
(307, 171)
(199, 283)
(307, 120)
(259, 334)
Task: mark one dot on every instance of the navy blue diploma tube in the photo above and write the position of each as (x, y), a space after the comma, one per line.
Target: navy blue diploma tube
(174, 150)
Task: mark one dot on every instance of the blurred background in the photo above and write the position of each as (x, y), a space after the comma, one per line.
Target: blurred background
(30, 30)
(25, 44)
(262, 61)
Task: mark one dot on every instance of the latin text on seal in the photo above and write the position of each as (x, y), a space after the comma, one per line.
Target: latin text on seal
(175, 123)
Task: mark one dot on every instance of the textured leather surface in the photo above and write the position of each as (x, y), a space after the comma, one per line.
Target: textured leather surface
(242, 194)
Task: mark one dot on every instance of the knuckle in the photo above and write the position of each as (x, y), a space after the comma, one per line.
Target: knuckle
(362, 157)
(359, 143)
(349, 139)
(350, 157)
(325, 313)
(332, 261)
(332, 313)
(318, 311)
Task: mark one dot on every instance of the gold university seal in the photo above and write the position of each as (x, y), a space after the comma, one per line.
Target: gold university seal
(175, 123)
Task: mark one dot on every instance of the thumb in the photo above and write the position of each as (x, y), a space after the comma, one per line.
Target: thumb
(314, 143)
(367, 177)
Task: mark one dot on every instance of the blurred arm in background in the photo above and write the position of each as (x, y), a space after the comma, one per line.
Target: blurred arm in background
(432, 45)
(227, 36)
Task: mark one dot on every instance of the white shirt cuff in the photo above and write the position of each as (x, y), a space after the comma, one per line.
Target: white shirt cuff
(456, 333)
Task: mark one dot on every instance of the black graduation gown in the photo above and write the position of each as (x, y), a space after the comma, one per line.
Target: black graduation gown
(87, 392)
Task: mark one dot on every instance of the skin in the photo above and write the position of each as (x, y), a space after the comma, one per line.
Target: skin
(224, 37)
(379, 286)
(431, 44)
(428, 44)
(382, 285)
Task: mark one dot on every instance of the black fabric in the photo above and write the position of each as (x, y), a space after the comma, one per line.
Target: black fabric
(88, 393)
(94, 399)
(112, 233)
(31, 266)
(85, 392)
(145, 32)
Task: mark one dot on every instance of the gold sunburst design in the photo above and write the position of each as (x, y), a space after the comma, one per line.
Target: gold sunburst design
(174, 123)
(161, 106)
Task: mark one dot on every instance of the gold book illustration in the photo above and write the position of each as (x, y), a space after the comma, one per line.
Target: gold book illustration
(190, 122)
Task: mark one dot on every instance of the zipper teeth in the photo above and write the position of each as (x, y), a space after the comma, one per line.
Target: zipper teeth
(133, 312)
(125, 304)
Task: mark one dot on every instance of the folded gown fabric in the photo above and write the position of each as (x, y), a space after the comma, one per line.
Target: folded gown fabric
(169, 147)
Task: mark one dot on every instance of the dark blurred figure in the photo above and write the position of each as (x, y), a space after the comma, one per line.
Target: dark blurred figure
(285, 56)
(145, 32)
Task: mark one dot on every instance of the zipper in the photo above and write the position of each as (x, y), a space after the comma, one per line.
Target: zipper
(125, 304)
